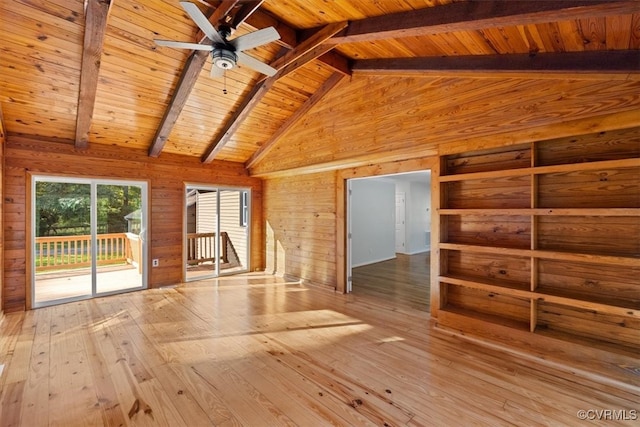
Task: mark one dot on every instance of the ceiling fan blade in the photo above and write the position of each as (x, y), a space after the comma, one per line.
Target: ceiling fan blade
(183, 45)
(251, 62)
(216, 72)
(202, 21)
(255, 39)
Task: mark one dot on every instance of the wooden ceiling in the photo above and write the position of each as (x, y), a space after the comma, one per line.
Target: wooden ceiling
(93, 75)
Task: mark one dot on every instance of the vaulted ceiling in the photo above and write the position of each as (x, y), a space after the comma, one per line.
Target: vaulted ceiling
(89, 72)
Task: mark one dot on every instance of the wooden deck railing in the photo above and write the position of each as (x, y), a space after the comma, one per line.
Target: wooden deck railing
(64, 252)
(61, 252)
(201, 247)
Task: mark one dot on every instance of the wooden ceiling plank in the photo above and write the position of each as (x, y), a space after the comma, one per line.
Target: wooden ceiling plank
(586, 62)
(256, 20)
(296, 58)
(289, 39)
(188, 79)
(244, 110)
(260, 19)
(598, 123)
(472, 16)
(96, 15)
(309, 56)
(310, 43)
(292, 120)
(247, 10)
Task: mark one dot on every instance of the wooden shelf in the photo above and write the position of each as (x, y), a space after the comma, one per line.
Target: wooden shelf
(553, 223)
(498, 286)
(607, 305)
(496, 320)
(540, 170)
(587, 212)
(610, 307)
(543, 254)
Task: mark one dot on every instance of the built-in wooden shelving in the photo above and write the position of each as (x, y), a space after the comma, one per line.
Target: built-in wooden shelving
(544, 237)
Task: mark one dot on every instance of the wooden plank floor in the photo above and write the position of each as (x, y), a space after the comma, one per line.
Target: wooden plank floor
(254, 350)
(401, 282)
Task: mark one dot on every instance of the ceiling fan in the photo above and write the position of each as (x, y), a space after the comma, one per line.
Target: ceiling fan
(226, 54)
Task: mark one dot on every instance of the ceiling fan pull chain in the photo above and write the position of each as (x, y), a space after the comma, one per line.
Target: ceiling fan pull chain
(224, 89)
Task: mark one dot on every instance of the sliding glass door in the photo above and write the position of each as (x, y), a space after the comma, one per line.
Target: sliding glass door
(88, 238)
(216, 231)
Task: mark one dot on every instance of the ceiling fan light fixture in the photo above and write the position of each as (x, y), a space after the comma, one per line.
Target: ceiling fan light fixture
(224, 58)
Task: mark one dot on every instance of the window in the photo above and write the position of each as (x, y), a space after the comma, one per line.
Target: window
(244, 208)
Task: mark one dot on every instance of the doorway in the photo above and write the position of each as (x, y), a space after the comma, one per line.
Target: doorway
(217, 222)
(388, 238)
(88, 238)
(400, 222)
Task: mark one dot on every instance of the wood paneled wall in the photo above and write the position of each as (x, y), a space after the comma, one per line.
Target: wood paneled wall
(304, 217)
(2, 144)
(166, 176)
(535, 245)
(413, 117)
(300, 221)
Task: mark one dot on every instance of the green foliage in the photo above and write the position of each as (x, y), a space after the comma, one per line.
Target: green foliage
(65, 208)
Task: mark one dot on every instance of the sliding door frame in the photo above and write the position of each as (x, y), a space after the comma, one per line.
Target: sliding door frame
(93, 183)
(218, 189)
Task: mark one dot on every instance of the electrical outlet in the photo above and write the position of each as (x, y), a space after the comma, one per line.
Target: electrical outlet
(155, 262)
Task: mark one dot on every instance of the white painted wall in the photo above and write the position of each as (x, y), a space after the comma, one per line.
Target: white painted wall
(418, 211)
(419, 217)
(372, 208)
(372, 212)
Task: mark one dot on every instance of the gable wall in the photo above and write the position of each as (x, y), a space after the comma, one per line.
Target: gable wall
(368, 120)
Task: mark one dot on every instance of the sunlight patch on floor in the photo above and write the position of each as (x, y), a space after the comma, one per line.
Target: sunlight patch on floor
(391, 339)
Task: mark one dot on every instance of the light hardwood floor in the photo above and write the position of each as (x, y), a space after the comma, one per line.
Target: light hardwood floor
(401, 282)
(255, 350)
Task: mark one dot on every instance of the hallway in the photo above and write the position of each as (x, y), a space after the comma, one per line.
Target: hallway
(403, 281)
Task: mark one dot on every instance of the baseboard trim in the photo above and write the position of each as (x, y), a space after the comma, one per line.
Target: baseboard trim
(372, 262)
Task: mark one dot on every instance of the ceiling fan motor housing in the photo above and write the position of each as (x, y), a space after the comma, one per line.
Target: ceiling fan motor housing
(224, 58)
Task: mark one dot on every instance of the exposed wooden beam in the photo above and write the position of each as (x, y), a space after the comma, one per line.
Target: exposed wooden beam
(476, 15)
(291, 121)
(185, 84)
(96, 15)
(217, 17)
(289, 39)
(246, 10)
(260, 19)
(248, 104)
(309, 49)
(257, 20)
(336, 62)
(187, 80)
(296, 58)
(309, 56)
(587, 62)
